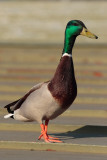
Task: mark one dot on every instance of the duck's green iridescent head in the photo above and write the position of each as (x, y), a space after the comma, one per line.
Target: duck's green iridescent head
(73, 29)
(77, 27)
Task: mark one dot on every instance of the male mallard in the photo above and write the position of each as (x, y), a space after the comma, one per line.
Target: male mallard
(47, 100)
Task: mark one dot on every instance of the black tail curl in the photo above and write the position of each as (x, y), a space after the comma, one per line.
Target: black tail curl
(8, 107)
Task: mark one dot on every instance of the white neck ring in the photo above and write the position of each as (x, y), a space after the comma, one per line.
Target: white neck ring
(66, 54)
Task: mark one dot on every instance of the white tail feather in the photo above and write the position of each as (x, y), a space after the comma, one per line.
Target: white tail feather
(8, 115)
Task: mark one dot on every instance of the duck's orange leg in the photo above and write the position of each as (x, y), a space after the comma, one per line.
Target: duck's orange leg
(45, 136)
(46, 128)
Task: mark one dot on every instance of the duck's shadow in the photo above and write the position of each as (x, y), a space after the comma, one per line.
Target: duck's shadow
(87, 131)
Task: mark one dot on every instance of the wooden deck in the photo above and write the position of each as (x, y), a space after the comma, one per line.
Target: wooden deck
(83, 126)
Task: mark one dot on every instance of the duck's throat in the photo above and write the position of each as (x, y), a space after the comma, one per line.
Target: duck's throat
(68, 44)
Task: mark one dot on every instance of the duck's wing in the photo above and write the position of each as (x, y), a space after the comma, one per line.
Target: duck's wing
(36, 87)
(17, 104)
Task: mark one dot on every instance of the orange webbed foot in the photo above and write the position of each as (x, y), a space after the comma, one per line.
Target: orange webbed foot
(46, 137)
(49, 139)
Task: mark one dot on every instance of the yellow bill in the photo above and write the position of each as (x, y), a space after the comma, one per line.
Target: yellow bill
(87, 33)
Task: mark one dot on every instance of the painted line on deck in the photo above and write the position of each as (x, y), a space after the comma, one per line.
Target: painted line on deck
(79, 100)
(23, 89)
(65, 147)
(82, 81)
(36, 127)
(75, 113)
(55, 128)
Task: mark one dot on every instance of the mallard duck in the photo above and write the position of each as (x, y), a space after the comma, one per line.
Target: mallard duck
(47, 100)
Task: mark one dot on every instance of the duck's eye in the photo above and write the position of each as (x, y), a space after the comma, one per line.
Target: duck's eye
(75, 24)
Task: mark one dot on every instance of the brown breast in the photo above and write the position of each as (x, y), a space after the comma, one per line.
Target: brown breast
(63, 85)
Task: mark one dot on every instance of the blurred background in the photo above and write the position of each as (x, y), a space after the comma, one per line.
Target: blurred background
(31, 43)
(38, 21)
